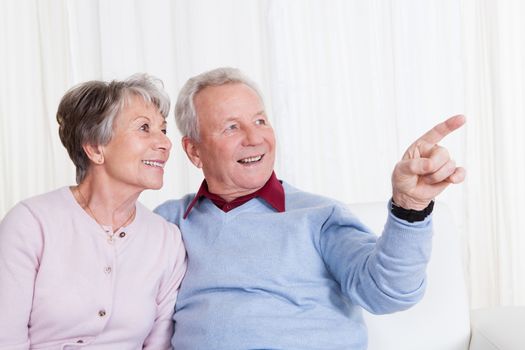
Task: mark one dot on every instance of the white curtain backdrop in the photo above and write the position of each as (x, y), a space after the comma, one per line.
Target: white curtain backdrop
(348, 86)
(494, 56)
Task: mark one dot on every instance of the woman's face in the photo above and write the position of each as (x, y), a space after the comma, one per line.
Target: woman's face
(136, 155)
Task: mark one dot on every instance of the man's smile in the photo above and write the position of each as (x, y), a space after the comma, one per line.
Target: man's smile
(250, 160)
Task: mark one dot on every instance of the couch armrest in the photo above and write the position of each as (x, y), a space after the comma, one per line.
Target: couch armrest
(501, 328)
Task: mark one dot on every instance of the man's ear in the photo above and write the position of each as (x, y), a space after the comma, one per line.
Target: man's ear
(94, 153)
(191, 147)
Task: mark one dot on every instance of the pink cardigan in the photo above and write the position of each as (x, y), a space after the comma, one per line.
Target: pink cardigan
(63, 286)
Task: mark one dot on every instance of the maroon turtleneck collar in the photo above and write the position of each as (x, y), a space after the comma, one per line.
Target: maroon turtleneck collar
(272, 192)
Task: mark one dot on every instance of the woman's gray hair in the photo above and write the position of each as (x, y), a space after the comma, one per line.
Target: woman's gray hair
(185, 113)
(87, 112)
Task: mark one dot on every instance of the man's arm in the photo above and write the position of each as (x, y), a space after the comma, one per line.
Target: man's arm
(384, 274)
(388, 275)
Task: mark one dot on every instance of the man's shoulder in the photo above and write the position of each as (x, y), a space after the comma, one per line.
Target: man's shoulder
(297, 198)
(173, 209)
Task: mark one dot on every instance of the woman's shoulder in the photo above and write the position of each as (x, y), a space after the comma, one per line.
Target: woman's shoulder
(153, 221)
(54, 201)
(57, 196)
(25, 222)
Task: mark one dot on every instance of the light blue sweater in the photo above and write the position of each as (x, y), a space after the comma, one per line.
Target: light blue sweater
(259, 279)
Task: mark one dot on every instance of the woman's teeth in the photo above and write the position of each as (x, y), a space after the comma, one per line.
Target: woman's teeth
(153, 163)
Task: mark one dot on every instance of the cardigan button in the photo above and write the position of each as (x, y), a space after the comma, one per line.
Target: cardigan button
(80, 341)
(122, 234)
(102, 313)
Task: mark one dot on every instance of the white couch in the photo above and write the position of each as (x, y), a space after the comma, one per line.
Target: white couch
(442, 320)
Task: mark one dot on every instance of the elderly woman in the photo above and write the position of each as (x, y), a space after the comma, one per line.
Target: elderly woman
(88, 265)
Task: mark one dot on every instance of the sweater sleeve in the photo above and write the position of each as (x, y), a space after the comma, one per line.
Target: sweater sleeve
(162, 331)
(21, 243)
(384, 274)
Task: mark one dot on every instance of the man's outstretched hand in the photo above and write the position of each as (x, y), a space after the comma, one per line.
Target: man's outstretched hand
(426, 168)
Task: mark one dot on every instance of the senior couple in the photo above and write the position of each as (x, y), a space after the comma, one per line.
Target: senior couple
(260, 264)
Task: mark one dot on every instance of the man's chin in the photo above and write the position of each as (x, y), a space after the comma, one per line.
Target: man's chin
(254, 184)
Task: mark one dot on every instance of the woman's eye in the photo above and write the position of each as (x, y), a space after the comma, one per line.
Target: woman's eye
(164, 131)
(144, 127)
(231, 127)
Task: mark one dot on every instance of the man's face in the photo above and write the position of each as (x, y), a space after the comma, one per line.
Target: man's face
(236, 150)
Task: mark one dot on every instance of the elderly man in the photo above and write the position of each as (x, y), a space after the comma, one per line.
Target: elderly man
(271, 266)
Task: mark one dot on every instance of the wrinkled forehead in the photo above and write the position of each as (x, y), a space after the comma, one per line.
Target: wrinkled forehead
(228, 98)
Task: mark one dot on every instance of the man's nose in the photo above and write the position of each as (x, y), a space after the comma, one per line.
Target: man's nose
(252, 136)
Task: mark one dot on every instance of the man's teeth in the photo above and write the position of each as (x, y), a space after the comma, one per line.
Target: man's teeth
(250, 159)
(153, 163)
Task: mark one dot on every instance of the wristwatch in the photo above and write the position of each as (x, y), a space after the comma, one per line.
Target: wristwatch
(411, 215)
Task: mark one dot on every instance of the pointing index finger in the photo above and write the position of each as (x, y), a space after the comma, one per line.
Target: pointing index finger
(438, 132)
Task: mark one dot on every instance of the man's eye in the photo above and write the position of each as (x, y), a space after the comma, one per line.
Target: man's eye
(260, 122)
(144, 127)
(164, 131)
(231, 127)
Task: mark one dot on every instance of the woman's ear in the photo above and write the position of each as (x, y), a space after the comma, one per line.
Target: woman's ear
(94, 153)
(191, 147)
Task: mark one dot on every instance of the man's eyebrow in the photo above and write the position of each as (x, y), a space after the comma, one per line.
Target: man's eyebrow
(229, 120)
